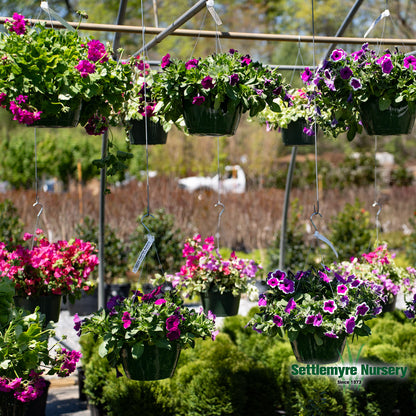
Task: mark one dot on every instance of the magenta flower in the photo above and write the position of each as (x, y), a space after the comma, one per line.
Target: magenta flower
(330, 306)
(278, 320)
(331, 335)
(97, 51)
(306, 75)
(287, 286)
(85, 67)
(198, 100)
(338, 54)
(234, 78)
(342, 289)
(324, 276)
(310, 320)
(291, 304)
(262, 300)
(174, 334)
(410, 61)
(192, 63)
(207, 83)
(126, 318)
(165, 61)
(387, 66)
(246, 60)
(160, 302)
(350, 325)
(318, 320)
(273, 282)
(18, 25)
(172, 322)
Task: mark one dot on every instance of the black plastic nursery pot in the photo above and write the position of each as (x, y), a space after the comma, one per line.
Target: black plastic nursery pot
(399, 118)
(154, 364)
(155, 133)
(86, 305)
(294, 135)
(224, 304)
(49, 305)
(203, 120)
(69, 119)
(306, 349)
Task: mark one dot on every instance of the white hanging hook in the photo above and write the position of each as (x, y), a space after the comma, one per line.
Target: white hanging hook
(375, 204)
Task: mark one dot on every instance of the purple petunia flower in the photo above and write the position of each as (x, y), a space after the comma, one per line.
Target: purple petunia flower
(273, 282)
(344, 300)
(331, 335)
(192, 63)
(356, 283)
(357, 54)
(262, 300)
(126, 318)
(277, 274)
(310, 319)
(198, 100)
(278, 90)
(234, 78)
(290, 305)
(306, 75)
(287, 286)
(362, 309)
(207, 83)
(338, 54)
(232, 51)
(324, 276)
(387, 66)
(355, 83)
(278, 320)
(410, 61)
(341, 289)
(330, 306)
(345, 73)
(318, 320)
(246, 60)
(350, 325)
(409, 314)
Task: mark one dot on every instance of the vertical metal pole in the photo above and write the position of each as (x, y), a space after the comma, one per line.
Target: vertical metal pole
(285, 208)
(103, 171)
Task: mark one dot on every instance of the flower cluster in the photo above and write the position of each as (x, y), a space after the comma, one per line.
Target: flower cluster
(344, 81)
(49, 72)
(60, 268)
(379, 266)
(25, 353)
(141, 102)
(322, 302)
(205, 268)
(158, 317)
(296, 105)
(224, 80)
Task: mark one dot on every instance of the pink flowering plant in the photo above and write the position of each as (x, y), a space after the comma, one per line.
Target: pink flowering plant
(205, 269)
(49, 72)
(223, 80)
(156, 318)
(317, 301)
(344, 81)
(379, 266)
(25, 353)
(60, 268)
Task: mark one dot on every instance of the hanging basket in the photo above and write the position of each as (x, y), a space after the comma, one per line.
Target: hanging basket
(202, 120)
(306, 349)
(9, 406)
(293, 135)
(224, 304)
(155, 132)
(154, 364)
(399, 118)
(69, 119)
(49, 305)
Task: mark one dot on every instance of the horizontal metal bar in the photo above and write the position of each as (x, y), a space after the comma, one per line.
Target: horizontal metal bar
(225, 35)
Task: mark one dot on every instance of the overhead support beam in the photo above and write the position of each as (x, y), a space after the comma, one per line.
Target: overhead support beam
(226, 35)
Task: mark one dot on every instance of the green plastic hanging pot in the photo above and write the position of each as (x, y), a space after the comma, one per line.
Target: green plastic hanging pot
(69, 119)
(155, 133)
(220, 304)
(307, 350)
(399, 118)
(202, 120)
(294, 135)
(49, 305)
(154, 364)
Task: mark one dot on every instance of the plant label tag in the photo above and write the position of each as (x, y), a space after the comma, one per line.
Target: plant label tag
(210, 7)
(145, 250)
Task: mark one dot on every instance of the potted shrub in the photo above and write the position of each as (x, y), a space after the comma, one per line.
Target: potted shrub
(141, 113)
(218, 281)
(145, 333)
(294, 119)
(26, 356)
(380, 267)
(350, 86)
(48, 74)
(318, 309)
(211, 93)
(49, 271)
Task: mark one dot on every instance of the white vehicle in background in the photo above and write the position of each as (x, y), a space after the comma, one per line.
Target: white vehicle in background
(233, 180)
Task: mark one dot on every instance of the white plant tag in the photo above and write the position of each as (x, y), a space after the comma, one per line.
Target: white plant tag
(142, 255)
(210, 7)
(45, 7)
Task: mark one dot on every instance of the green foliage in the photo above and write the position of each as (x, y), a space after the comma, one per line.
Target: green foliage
(115, 249)
(11, 226)
(351, 232)
(165, 254)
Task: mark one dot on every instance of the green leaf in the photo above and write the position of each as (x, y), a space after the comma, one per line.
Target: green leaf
(318, 340)
(384, 103)
(137, 350)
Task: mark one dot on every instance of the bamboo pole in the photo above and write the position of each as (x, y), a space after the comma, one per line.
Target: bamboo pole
(149, 30)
